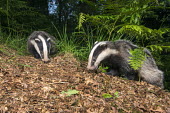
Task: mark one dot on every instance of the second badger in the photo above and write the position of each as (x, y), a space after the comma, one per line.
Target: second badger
(40, 44)
(116, 55)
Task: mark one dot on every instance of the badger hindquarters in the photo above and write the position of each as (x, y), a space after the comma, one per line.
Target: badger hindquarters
(115, 55)
(40, 44)
(150, 73)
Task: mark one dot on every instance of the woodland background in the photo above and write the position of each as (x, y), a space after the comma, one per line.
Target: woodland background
(77, 24)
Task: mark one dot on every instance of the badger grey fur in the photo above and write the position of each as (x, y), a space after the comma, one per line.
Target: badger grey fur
(40, 44)
(116, 54)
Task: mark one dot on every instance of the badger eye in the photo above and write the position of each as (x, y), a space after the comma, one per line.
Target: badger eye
(93, 60)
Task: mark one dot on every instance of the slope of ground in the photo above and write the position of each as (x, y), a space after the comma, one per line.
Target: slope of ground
(27, 85)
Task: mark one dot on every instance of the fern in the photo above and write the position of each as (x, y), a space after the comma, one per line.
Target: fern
(137, 58)
(158, 48)
(125, 17)
(82, 19)
(140, 31)
(155, 47)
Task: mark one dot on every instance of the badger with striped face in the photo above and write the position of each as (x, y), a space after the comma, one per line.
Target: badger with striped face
(115, 55)
(41, 45)
(100, 52)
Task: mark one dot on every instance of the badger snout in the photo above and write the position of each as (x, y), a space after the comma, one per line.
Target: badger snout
(46, 60)
(91, 68)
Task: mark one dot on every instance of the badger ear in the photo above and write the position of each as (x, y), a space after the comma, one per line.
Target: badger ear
(96, 42)
(103, 44)
(48, 39)
(37, 39)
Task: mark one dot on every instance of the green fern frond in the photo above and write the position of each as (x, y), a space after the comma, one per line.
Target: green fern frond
(82, 19)
(155, 47)
(140, 31)
(158, 48)
(137, 58)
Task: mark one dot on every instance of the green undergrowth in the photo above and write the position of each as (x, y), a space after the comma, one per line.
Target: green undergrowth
(16, 42)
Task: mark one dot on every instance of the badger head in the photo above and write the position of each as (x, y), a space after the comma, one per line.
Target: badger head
(100, 51)
(42, 45)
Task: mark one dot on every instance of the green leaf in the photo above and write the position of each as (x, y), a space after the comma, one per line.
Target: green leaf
(25, 65)
(106, 95)
(103, 69)
(116, 94)
(70, 92)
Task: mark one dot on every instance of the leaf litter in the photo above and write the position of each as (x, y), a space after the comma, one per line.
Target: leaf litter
(27, 85)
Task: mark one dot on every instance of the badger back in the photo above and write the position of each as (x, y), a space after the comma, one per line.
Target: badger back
(40, 45)
(124, 47)
(99, 52)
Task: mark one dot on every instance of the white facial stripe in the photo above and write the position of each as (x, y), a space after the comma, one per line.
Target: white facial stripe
(45, 51)
(36, 47)
(92, 52)
(104, 54)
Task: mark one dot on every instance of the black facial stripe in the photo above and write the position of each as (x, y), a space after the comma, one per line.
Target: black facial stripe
(97, 52)
(48, 46)
(40, 46)
(47, 41)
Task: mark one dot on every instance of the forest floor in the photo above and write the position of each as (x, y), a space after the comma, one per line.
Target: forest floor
(27, 85)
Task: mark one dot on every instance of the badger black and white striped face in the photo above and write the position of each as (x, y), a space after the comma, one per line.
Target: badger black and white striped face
(99, 52)
(42, 45)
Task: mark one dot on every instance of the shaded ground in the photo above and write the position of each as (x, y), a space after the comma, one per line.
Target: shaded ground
(29, 85)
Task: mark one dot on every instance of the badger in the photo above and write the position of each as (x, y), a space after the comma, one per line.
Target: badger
(40, 44)
(115, 55)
